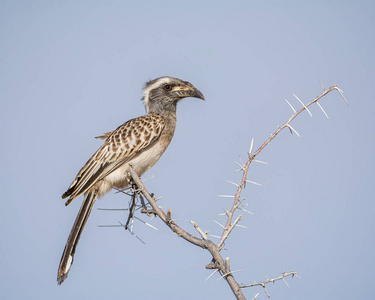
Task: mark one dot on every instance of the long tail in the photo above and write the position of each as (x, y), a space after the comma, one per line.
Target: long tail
(71, 244)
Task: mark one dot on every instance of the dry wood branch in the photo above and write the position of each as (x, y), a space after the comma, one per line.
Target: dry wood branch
(251, 156)
(218, 263)
(263, 284)
(205, 244)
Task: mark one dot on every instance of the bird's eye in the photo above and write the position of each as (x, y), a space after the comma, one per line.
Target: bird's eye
(167, 87)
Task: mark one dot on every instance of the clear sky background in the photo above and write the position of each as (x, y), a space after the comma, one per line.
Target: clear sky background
(72, 70)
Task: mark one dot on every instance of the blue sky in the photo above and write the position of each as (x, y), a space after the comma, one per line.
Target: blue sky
(72, 70)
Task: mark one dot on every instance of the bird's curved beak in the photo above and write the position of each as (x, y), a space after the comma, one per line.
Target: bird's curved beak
(187, 90)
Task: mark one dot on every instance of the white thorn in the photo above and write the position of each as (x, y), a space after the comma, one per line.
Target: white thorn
(245, 210)
(226, 212)
(303, 105)
(261, 162)
(342, 94)
(215, 236)
(151, 177)
(231, 272)
(242, 167)
(219, 224)
(145, 223)
(251, 146)
(322, 109)
(253, 182)
(322, 85)
(241, 226)
(285, 282)
(232, 183)
(255, 296)
(290, 127)
(226, 196)
(211, 274)
(290, 106)
(130, 229)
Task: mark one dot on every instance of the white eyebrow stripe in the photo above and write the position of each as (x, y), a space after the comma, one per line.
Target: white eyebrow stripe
(148, 89)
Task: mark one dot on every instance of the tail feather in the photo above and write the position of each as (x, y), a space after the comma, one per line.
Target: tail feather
(71, 244)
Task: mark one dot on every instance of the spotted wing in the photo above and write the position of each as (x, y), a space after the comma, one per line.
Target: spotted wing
(122, 145)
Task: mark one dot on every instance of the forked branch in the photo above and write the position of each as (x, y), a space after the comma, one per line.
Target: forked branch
(203, 243)
(251, 156)
(218, 263)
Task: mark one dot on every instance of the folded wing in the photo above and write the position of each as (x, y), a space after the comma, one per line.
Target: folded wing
(121, 145)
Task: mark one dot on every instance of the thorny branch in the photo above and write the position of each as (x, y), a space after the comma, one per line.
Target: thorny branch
(218, 263)
(268, 280)
(205, 244)
(251, 156)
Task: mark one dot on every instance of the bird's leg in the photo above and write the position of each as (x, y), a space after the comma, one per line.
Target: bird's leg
(131, 212)
(136, 190)
(132, 205)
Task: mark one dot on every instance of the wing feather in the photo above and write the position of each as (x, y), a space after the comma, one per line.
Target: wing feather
(120, 146)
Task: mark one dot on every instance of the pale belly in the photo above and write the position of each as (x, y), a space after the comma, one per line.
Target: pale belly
(140, 164)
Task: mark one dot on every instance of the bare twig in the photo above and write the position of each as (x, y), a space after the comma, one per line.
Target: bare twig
(268, 280)
(200, 231)
(251, 157)
(227, 231)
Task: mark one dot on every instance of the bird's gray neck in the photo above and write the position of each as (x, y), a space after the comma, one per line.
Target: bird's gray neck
(170, 119)
(165, 109)
(160, 106)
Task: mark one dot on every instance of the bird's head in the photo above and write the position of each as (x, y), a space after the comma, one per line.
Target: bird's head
(163, 93)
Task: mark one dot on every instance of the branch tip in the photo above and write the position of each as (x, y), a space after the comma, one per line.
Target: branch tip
(341, 93)
(200, 231)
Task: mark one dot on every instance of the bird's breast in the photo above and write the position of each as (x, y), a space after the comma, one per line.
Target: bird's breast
(141, 163)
